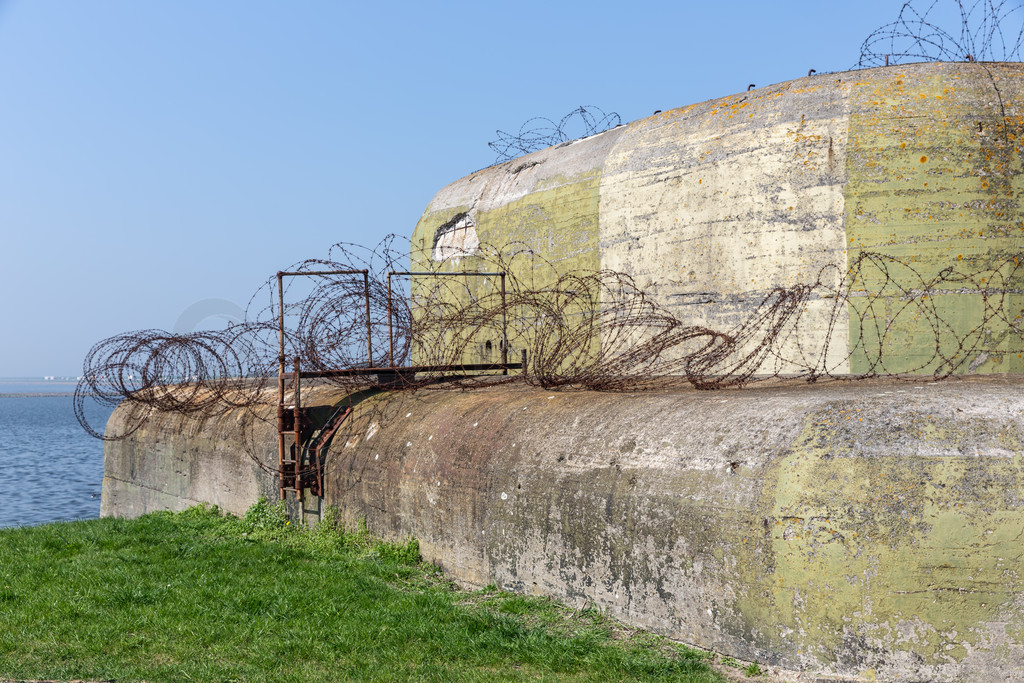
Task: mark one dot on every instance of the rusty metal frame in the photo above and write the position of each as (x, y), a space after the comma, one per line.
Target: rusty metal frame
(297, 408)
(430, 273)
(386, 373)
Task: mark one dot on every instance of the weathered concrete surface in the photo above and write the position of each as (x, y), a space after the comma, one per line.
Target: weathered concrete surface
(175, 461)
(710, 206)
(850, 528)
(934, 166)
(862, 529)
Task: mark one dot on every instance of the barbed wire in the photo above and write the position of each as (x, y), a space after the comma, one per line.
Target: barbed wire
(988, 30)
(206, 372)
(594, 330)
(541, 132)
(583, 330)
(213, 371)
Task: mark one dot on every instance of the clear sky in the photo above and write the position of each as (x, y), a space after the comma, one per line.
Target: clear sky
(157, 154)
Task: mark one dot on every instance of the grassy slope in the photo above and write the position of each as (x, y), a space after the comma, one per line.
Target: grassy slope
(198, 596)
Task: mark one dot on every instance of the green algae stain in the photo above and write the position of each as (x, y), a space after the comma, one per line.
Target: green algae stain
(935, 182)
(874, 542)
(559, 223)
(537, 237)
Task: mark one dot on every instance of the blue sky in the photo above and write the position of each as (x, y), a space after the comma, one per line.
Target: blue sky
(157, 154)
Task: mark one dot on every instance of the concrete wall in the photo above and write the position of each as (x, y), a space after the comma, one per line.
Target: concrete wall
(861, 529)
(173, 461)
(712, 205)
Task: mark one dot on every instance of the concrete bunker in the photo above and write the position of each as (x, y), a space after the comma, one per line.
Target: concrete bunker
(856, 529)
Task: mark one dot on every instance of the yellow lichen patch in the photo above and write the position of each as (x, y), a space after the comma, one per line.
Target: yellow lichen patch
(892, 539)
(937, 173)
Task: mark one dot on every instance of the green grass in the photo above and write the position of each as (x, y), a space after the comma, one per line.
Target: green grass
(198, 596)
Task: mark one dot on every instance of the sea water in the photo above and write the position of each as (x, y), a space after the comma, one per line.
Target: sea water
(50, 468)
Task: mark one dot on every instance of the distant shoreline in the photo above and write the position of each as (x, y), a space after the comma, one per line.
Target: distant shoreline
(49, 394)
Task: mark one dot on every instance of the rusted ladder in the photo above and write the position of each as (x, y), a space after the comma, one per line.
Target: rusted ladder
(289, 420)
(301, 467)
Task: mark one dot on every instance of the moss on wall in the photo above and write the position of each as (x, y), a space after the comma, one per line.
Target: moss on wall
(711, 206)
(899, 539)
(934, 166)
(557, 220)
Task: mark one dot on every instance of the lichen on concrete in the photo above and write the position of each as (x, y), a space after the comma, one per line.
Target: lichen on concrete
(858, 529)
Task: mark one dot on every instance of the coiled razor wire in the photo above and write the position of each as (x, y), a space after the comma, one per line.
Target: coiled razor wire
(540, 132)
(988, 31)
(590, 330)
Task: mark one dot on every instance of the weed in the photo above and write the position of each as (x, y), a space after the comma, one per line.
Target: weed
(330, 520)
(408, 554)
(265, 517)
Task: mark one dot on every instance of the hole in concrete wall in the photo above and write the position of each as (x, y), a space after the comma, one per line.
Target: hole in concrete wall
(526, 165)
(456, 238)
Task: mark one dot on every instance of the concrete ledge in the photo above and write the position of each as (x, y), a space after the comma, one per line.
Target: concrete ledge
(864, 529)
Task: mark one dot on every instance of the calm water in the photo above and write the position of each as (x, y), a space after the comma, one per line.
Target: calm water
(51, 469)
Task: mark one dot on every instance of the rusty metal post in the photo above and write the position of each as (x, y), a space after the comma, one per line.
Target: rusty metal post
(391, 343)
(369, 335)
(298, 437)
(318, 468)
(280, 318)
(280, 384)
(504, 328)
(414, 273)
